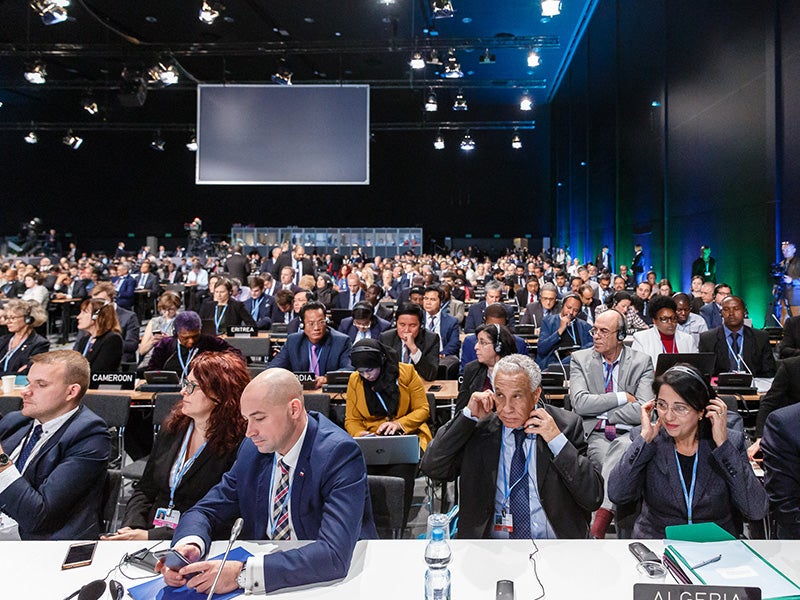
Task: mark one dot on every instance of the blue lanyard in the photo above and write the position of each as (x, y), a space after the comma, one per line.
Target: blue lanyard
(736, 357)
(218, 316)
(182, 465)
(256, 306)
(185, 366)
(11, 352)
(688, 496)
(571, 332)
(167, 325)
(383, 404)
(275, 467)
(89, 343)
(506, 489)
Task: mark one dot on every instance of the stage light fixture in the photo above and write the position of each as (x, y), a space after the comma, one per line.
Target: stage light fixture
(52, 12)
(467, 143)
(442, 9)
(430, 102)
(526, 102)
(72, 140)
(460, 102)
(486, 58)
(90, 105)
(550, 9)
(157, 143)
(132, 88)
(417, 62)
(191, 145)
(163, 73)
(31, 137)
(433, 59)
(516, 142)
(534, 60)
(209, 11)
(36, 73)
(438, 141)
(452, 68)
(283, 76)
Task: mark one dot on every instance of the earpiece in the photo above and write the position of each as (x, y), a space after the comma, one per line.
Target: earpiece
(498, 345)
(28, 316)
(97, 312)
(622, 330)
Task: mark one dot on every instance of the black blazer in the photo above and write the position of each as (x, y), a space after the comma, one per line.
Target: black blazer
(785, 390)
(152, 490)
(756, 351)
(105, 354)
(474, 377)
(790, 344)
(236, 314)
(427, 342)
(19, 363)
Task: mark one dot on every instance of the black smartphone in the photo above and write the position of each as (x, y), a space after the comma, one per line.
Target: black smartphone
(435, 388)
(175, 560)
(505, 590)
(156, 331)
(79, 555)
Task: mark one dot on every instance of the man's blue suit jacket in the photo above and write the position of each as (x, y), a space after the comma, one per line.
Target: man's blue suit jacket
(58, 495)
(264, 316)
(329, 503)
(712, 315)
(346, 327)
(333, 356)
(126, 292)
(475, 316)
(448, 333)
(549, 339)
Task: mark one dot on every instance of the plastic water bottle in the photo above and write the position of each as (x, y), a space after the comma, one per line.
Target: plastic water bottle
(437, 577)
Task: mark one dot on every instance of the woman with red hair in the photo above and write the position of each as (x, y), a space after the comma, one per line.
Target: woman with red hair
(196, 445)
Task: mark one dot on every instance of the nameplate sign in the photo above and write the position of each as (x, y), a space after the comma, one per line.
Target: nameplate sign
(306, 379)
(662, 591)
(242, 331)
(112, 381)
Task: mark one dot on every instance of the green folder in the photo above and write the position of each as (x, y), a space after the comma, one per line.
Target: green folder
(698, 532)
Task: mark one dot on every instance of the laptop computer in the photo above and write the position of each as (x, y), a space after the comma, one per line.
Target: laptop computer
(160, 381)
(702, 361)
(389, 449)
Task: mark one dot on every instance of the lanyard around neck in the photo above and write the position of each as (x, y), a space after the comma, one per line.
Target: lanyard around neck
(182, 464)
(688, 496)
(506, 488)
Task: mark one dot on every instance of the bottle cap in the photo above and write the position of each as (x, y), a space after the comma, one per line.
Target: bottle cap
(437, 534)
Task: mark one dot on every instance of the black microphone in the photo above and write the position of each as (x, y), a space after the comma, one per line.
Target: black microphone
(235, 531)
(561, 363)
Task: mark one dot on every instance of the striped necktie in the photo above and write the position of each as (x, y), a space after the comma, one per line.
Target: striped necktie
(281, 529)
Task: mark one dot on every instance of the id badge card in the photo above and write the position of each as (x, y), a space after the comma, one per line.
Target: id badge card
(166, 517)
(503, 524)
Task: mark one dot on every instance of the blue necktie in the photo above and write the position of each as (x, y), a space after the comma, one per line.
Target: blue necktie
(520, 497)
(26, 451)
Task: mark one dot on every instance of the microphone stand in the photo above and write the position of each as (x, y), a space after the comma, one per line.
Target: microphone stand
(235, 531)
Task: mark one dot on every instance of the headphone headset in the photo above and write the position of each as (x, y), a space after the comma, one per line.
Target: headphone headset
(695, 376)
(365, 349)
(622, 330)
(28, 316)
(498, 345)
(97, 312)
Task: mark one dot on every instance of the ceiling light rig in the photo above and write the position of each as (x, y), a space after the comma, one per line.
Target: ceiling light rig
(163, 74)
(36, 73)
(433, 58)
(460, 102)
(90, 105)
(52, 12)
(442, 9)
(486, 58)
(158, 143)
(550, 9)
(417, 62)
(452, 68)
(430, 102)
(132, 88)
(516, 142)
(526, 102)
(191, 145)
(438, 141)
(534, 60)
(210, 11)
(71, 140)
(467, 143)
(31, 137)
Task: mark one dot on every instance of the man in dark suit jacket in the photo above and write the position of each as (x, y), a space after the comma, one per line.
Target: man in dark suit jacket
(784, 391)
(54, 453)
(332, 348)
(13, 287)
(527, 294)
(147, 280)
(328, 503)
(790, 344)
(364, 324)
(562, 331)
(237, 266)
(604, 260)
(589, 303)
(781, 447)
(712, 312)
(297, 260)
(738, 347)
(412, 342)
(494, 293)
(548, 305)
(446, 327)
(259, 305)
(125, 286)
(566, 487)
(354, 294)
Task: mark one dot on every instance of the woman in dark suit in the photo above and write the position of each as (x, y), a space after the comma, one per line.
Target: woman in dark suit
(16, 348)
(687, 466)
(225, 311)
(325, 290)
(196, 445)
(103, 346)
(493, 343)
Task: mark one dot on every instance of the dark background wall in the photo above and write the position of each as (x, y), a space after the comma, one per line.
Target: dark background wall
(684, 114)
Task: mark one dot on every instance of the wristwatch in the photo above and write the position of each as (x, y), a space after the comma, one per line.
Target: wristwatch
(241, 578)
(5, 459)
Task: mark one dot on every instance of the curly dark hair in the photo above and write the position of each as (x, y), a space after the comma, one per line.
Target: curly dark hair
(222, 377)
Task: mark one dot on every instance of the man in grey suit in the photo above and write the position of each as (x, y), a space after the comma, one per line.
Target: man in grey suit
(608, 385)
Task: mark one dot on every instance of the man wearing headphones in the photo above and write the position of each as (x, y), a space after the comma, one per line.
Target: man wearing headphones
(608, 384)
(712, 312)
(317, 349)
(412, 342)
(364, 324)
(562, 334)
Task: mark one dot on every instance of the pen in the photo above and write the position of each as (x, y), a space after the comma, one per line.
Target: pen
(707, 562)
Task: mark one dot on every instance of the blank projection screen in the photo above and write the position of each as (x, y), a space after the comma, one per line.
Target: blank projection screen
(272, 134)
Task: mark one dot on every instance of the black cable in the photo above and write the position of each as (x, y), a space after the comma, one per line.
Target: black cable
(531, 557)
(123, 562)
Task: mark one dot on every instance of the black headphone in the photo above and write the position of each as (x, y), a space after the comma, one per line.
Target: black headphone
(695, 376)
(498, 345)
(28, 315)
(366, 349)
(622, 330)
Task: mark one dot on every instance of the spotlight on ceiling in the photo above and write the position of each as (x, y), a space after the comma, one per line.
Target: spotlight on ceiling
(90, 105)
(209, 11)
(550, 9)
(31, 137)
(72, 140)
(486, 58)
(132, 88)
(36, 73)
(534, 60)
(417, 62)
(283, 76)
(191, 145)
(526, 102)
(442, 9)
(460, 102)
(433, 58)
(52, 12)
(452, 69)
(516, 142)
(430, 102)
(163, 73)
(157, 143)
(467, 143)
(438, 141)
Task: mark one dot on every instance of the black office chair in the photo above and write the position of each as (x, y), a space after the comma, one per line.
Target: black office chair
(318, 402)
(386, 494)
(10, 404)
(162, 406)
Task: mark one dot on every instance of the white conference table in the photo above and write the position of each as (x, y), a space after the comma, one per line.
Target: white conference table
(391, 569)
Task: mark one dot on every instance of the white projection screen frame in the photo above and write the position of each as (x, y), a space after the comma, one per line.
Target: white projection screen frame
(282, 135)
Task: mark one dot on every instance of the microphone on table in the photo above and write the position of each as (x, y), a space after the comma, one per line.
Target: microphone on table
(91, 591)
(235, 531)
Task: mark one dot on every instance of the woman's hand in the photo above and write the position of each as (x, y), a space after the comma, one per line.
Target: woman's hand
(126, 533)
(649, 429)
(389, 428)
(717, 413)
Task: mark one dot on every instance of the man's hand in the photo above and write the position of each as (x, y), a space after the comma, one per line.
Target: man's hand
(481, 403)
(754, 449)
(542, 424)
(175, 578)
(630, 397)
(320, 381)
(565, 321)
(408, 340)
(207, 571)
(126, 533)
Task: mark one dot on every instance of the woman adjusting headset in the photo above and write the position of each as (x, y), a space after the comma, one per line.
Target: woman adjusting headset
(21, 342)
(103, 346)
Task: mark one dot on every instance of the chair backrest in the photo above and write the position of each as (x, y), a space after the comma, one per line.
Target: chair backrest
(112, 408)
(386, 494)
(318, 402)
(432, 405)
(256, 369)
(10, 404)
(162, 406)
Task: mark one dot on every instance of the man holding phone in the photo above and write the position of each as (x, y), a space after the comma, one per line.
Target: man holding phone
(524, 470)
(53, 455)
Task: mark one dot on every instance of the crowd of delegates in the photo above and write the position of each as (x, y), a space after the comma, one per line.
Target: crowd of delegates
(526, 468)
